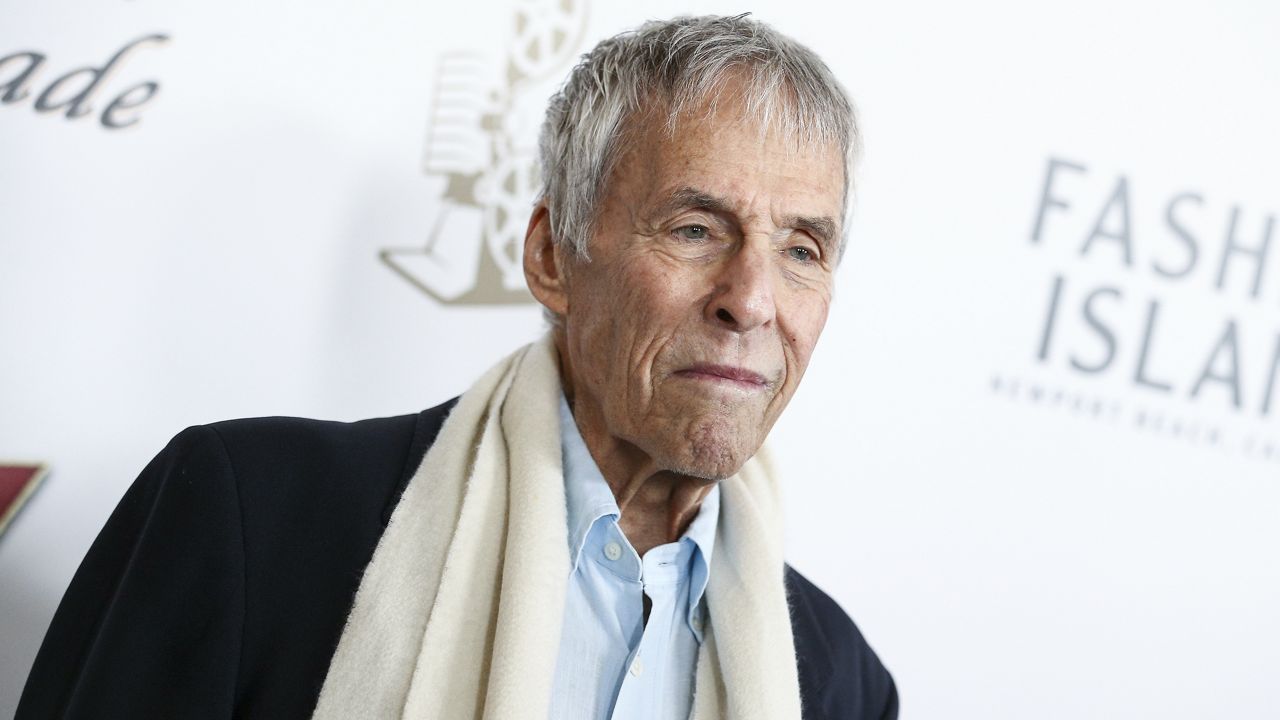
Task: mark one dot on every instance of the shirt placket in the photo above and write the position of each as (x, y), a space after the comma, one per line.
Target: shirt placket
(643, 688)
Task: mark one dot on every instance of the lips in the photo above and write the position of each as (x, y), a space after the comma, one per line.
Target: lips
(737, 375)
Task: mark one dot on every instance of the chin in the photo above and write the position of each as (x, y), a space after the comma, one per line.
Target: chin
(715, 451)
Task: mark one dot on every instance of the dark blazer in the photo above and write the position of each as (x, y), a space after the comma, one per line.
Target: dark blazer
(219, 586)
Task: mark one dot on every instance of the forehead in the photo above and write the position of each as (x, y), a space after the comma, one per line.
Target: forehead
(725, 152)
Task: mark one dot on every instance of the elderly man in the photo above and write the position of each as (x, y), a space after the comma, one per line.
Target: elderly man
(590, 531)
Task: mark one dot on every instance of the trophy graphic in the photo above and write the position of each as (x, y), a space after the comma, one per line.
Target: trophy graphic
(481, 143)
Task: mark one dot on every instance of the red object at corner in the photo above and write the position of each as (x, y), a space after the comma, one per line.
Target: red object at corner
(17, 482)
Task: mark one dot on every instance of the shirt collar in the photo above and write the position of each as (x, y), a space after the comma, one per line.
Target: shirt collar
(587, 495)
(702, 531)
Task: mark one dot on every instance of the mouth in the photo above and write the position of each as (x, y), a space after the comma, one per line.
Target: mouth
(735, 376)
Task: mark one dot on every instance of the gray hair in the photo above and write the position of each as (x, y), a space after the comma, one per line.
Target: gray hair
(681, 64)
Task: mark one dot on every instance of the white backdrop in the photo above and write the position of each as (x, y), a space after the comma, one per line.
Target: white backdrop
(1041, 470)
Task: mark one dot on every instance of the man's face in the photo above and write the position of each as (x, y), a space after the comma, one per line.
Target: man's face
(708, 284)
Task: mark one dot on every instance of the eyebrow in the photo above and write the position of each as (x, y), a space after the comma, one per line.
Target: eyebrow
(687, 197)
(824, 229)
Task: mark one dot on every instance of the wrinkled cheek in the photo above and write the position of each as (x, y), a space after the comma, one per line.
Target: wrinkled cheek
(801, 342)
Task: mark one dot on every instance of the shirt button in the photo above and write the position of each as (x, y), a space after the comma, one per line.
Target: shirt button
(612, 550)
(637, 667)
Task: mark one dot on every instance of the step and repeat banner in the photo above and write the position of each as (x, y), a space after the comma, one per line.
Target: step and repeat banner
(1037, 454)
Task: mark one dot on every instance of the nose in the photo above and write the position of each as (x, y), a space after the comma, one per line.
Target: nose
(743, 298)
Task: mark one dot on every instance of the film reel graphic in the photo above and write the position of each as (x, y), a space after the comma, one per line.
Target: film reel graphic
(473, 253)
(510, 188)
(546, 35)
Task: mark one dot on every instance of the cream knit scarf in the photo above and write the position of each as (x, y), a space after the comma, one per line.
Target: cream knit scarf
(458, 614)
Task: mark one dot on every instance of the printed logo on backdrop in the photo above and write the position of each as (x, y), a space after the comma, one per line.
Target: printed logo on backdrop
(59, 87)
(1161, 311)
(482, 142)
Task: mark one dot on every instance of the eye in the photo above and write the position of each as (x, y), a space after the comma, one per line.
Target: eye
(801, 253)
(693, 232)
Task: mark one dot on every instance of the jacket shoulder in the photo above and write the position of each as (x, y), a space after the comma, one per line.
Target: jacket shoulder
(295, 459)
(272, 444)
(840, 675)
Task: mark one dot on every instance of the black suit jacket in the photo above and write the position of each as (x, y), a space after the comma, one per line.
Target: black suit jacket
(219, 586)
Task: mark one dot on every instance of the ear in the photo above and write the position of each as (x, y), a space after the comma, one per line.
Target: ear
(543, 266)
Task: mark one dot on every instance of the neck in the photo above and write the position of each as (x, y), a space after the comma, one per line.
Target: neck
(657, 506)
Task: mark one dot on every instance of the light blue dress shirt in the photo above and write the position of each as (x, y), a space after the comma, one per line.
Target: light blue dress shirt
(612, 664)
